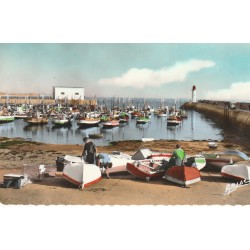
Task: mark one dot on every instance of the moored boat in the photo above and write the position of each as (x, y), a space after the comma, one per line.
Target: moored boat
(87, 122)
(37, 119)
(62, 120)
(142, 120)
(174, 121)
(6, 118)
(20, 115)
(96, 135)
(110, 124)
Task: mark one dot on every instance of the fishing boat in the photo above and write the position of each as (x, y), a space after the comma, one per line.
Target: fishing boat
(123, 117)
(236, 172)
(145, 153)
(4, 118)
(183, 114)
(183, 175)
(87, 122)
(135, 114)
(142, 120)
(173, 121)
(62, 161)
(110, 124)
(82, 174)
(96, 135)
(161, 113)
(62, 120)
(146, 169)
(119, 161)
(37, 118)
(153, 166)
(20, 115)
(75, 112)
(216, 161)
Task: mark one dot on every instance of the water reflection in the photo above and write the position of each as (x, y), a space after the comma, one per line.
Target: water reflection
(195, 127)
(172, 132)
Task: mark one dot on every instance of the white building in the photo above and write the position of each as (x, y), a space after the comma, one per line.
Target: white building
(68, 93)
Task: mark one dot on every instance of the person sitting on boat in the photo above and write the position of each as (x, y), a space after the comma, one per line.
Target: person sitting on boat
(103, 161)
(177, 157)
(90, 150)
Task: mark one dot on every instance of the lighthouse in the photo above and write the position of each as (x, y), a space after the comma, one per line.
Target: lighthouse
(194, 94)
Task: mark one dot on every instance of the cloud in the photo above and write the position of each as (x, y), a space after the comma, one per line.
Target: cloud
(140, 78)
(238, 91)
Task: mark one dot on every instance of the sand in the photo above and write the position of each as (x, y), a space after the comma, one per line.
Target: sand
(119, 190)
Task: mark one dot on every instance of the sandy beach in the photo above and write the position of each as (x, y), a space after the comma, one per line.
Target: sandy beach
(119, 190)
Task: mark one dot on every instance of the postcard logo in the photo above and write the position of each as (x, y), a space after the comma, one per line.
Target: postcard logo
(233, 186)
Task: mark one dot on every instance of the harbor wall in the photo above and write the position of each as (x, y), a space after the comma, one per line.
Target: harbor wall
(239, 119)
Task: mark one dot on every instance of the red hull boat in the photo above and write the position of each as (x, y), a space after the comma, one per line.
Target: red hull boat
(183, 175)
(146, 169)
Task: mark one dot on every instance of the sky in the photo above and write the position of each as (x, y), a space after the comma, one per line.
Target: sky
(161, 70)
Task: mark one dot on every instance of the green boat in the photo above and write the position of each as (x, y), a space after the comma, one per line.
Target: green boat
(6, 118)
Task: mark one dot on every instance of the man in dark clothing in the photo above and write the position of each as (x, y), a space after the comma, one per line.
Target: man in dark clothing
(90, 150)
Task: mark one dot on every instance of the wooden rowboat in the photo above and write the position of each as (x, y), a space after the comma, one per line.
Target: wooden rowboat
(146, 169)
(82, 174)
(237, 172)
(183, 175)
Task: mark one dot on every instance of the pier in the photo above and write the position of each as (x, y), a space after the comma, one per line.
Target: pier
(237, 117)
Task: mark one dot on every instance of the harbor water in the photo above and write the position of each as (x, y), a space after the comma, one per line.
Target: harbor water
(195, 127)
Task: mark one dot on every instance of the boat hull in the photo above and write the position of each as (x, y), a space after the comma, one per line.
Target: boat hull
(109, 125)
(88, 123)
(38, 120)
(237, 172)
(145, 169)
(5, 119)
(183, 175)
(79, 172)
(119, 163)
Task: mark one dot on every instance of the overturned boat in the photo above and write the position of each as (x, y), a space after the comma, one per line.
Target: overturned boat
(82, 174)
(236, 172)
(183, 175)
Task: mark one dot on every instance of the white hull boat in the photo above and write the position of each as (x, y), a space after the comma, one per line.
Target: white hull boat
(81, 173)
(237, 172)
(6, 118)
(147, 139)
(88, 122)
(62, 120)
(119, 162)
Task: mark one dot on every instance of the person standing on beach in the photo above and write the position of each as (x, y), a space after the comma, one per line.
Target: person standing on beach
(89, 149)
